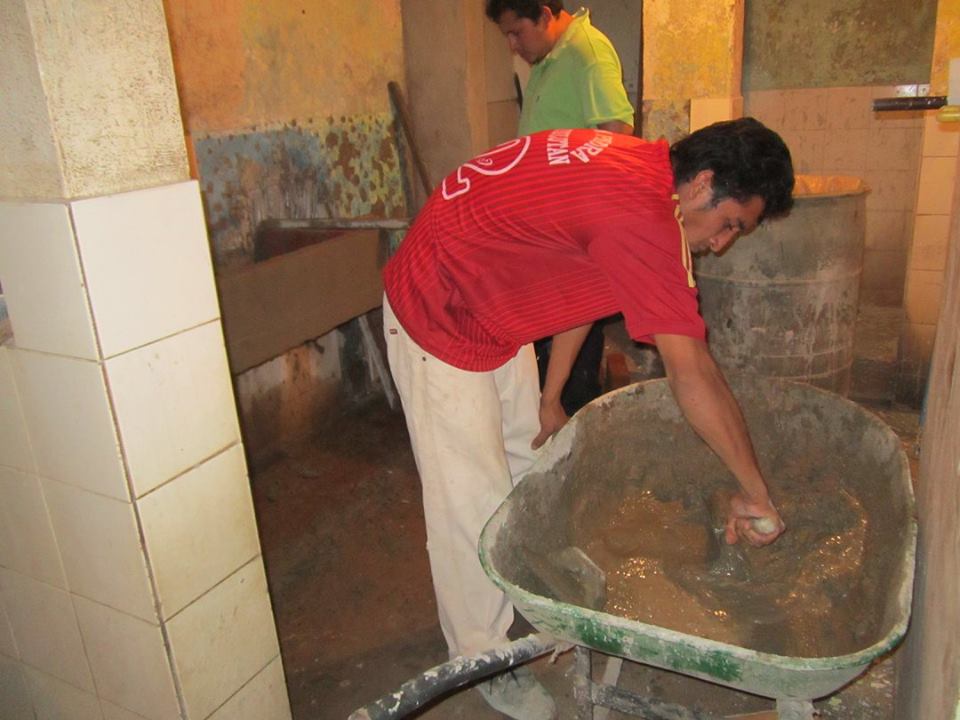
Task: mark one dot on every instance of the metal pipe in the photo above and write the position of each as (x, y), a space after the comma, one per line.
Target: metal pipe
(441, 679)
(929, 102)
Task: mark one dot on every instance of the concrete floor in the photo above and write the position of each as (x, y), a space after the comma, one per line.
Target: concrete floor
(343, 539)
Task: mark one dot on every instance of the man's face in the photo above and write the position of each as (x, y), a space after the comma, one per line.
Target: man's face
(529, 39)
(710, 226)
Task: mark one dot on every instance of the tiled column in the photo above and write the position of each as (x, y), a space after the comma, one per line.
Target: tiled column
(928, 253)
(131, 581)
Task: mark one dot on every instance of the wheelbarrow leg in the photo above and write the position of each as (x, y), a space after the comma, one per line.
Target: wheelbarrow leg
(790, 709)
(582, 680)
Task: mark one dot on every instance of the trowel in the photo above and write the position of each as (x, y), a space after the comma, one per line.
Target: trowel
(570, 576)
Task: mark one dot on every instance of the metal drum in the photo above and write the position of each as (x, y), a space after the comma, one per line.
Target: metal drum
(782, 302)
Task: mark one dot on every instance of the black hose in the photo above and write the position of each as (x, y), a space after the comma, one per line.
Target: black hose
(436, 681)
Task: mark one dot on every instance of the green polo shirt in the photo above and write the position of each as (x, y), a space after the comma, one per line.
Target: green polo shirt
(579, 84)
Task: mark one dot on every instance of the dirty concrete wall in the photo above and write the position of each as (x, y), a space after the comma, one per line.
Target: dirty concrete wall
(836, 43)
(692, 50)
(56, 143)
(287, 111)
(621, 21)
(287, 115)
(445, 45)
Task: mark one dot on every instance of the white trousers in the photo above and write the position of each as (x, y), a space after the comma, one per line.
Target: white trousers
(471, 435)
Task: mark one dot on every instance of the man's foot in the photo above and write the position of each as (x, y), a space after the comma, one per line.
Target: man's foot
(518, 694)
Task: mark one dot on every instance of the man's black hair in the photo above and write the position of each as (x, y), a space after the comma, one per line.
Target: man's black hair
(747, 159)
(531, 9)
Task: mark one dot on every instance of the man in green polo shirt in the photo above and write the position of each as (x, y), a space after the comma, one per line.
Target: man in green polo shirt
(576, 81)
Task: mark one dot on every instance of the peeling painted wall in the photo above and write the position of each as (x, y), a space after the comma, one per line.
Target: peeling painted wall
(692, 49)
(287, 115)
(287, 111)
(346, 166)
(837, 43)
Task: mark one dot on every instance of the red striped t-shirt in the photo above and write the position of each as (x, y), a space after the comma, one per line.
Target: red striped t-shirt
(540, 235)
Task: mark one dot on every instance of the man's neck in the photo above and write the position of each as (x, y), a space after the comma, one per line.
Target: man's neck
(559, 25)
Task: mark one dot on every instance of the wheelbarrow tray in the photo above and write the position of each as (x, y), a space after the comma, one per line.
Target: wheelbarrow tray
(639, 429)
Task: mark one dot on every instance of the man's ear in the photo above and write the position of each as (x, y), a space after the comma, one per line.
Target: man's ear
(546, 16)
(702, 185)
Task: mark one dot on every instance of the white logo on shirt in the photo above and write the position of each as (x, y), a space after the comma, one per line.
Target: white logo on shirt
(559, 153)
(503, 158)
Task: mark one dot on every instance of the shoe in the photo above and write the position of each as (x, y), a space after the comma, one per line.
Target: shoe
(518, 694)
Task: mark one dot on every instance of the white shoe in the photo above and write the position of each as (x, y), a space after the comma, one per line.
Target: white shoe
(518, 694)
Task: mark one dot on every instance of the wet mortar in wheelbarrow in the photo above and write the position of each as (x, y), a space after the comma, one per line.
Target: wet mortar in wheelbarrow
(611, 542)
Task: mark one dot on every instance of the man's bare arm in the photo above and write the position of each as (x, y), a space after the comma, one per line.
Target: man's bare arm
(616, 126)
(708, 405)
(563, 352)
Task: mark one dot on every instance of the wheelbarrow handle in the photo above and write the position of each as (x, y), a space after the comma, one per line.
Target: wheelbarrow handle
(436, 681)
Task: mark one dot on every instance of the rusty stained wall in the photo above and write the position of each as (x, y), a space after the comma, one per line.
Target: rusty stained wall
(837, 43)
(692, 49)
(286, 111)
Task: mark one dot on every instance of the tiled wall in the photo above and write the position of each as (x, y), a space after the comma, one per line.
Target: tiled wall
(928, 253)
(834, 131)
(131, 581)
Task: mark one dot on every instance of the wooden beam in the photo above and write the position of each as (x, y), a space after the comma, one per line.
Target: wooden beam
(273, 306)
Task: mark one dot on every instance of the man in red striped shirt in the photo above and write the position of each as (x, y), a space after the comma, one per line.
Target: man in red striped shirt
(542, 236)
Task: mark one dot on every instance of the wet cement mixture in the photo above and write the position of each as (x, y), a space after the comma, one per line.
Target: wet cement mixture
(669, 565)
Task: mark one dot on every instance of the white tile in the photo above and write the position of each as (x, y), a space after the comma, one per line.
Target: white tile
(8, 645)
(806, 109)
(15, 450)
(263, 698)
(706, 111)
(54, 699)
(68, 416)
(115, 712)
(931, 240)
(45, 628)
(42, 281)
(101, 549)
(199, 529)
(27, 543)
(845, 149)
(767, 106)
(849, 108)
(891, 189)
(174, 404)
(940, 139)
(935, 192)
(147, 262)
(223, 639)
(16, 703)
(128, 660)
(895, 148)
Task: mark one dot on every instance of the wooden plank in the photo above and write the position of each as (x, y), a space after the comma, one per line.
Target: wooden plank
(272, 306)
(928, 685)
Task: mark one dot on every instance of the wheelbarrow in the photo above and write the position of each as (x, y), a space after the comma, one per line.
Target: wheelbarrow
(532, 548)
(638, 431)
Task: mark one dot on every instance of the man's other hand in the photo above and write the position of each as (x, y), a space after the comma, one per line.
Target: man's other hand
(552, 418)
